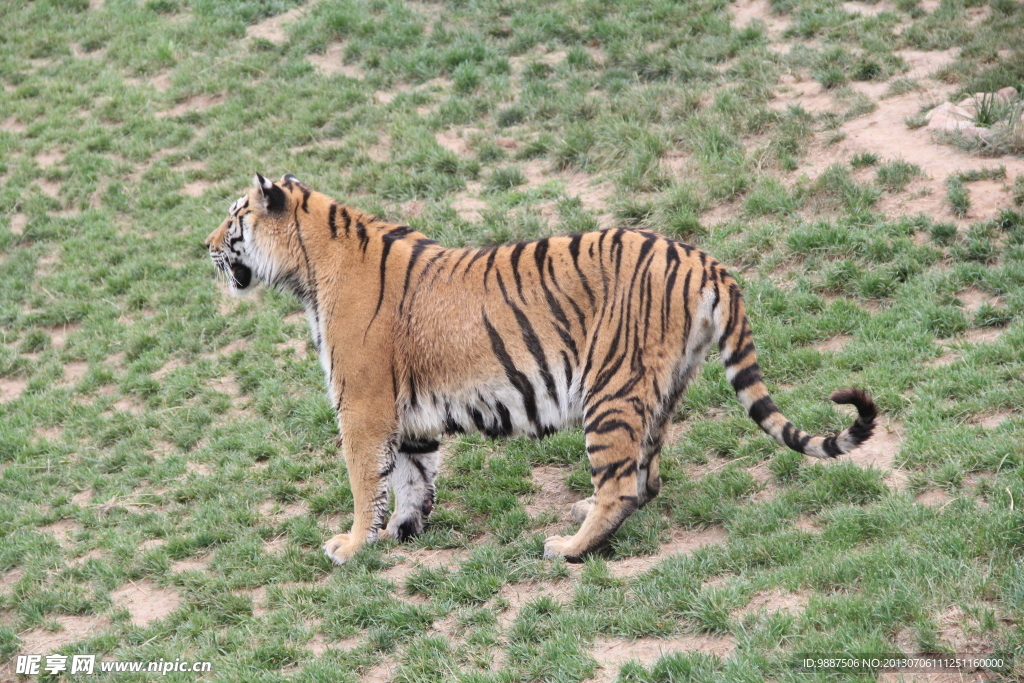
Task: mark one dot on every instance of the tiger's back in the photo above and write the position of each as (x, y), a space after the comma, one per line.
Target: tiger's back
(417, 340)
(520, 333)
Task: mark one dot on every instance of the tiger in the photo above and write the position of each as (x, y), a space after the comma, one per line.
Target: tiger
(418, 341)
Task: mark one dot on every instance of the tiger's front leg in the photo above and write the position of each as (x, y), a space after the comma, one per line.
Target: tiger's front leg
(370, 457)
(613, 446)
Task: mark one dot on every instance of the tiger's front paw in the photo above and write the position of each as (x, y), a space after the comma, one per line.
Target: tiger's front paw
(340, 548)
(560, 546)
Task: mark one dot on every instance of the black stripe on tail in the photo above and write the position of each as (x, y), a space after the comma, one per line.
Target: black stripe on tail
(867, 413)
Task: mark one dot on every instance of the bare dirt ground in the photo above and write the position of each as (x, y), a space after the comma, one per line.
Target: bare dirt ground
(884, 130)
(613, 652)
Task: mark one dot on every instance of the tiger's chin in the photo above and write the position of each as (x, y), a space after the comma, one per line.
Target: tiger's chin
(241, 279)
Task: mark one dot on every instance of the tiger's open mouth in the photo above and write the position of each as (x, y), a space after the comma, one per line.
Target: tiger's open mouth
(241, 275)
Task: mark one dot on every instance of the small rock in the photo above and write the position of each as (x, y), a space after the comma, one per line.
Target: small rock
(969, 105)
(972, 131)
(1007, 94)
(946, 121)
(950, 111)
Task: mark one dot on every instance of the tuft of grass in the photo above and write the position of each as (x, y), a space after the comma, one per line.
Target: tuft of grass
(1018, 190)
(987, 173)
(957, 196)
(505, 178)
(915, 121)
(990, 109)
(901, 86)
(943, 233)
(862, 159)
(895, 175)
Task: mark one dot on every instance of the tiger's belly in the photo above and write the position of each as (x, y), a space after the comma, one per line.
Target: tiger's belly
(497, 408)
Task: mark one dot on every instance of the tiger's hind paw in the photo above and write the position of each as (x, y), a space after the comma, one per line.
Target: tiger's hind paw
(580, 509)
(402, 528)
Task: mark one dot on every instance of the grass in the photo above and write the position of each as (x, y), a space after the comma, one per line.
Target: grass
(862, 159)
(155, 433)
(895, 175)
(957, 196)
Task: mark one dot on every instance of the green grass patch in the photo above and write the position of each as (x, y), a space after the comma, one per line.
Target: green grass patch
(155, 433)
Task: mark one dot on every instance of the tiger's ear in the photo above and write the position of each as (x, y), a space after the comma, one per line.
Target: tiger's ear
(274, 198)
(289, 178)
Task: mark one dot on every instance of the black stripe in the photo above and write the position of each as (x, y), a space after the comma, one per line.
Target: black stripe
(347, 218)
(363, 238)
(517, 378)
(596, 420)
(714, 303)
(611, 426)
(762, 409)
(455, 266)
(414, 255)
(790, 437)
(413, 398)
(610, 471)
(517, 253)
(747, 377)
(672, 263)
(533, 344)
(419, 446)
(387, 239)
(540, 253)
(734, 315)
(556, 309)
(594, 471)
(608, 371)
(399, 232)
(687, 318)
(331, 216)
(620, 393)
(441, 253)
(505, 415)
(478, 421)
(830, 447)
(490, 265)
(574, 251)
(480, 253)
(309, 288)
(420, 467)
(580, 317)
(737, 357)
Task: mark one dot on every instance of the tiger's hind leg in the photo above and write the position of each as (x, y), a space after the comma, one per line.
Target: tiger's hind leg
(648, 475)
(412, 480)
(614, 448)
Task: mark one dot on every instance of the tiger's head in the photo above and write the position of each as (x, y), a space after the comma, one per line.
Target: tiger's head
(256, 241)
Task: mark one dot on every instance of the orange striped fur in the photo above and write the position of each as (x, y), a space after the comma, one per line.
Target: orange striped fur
(604, 329)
